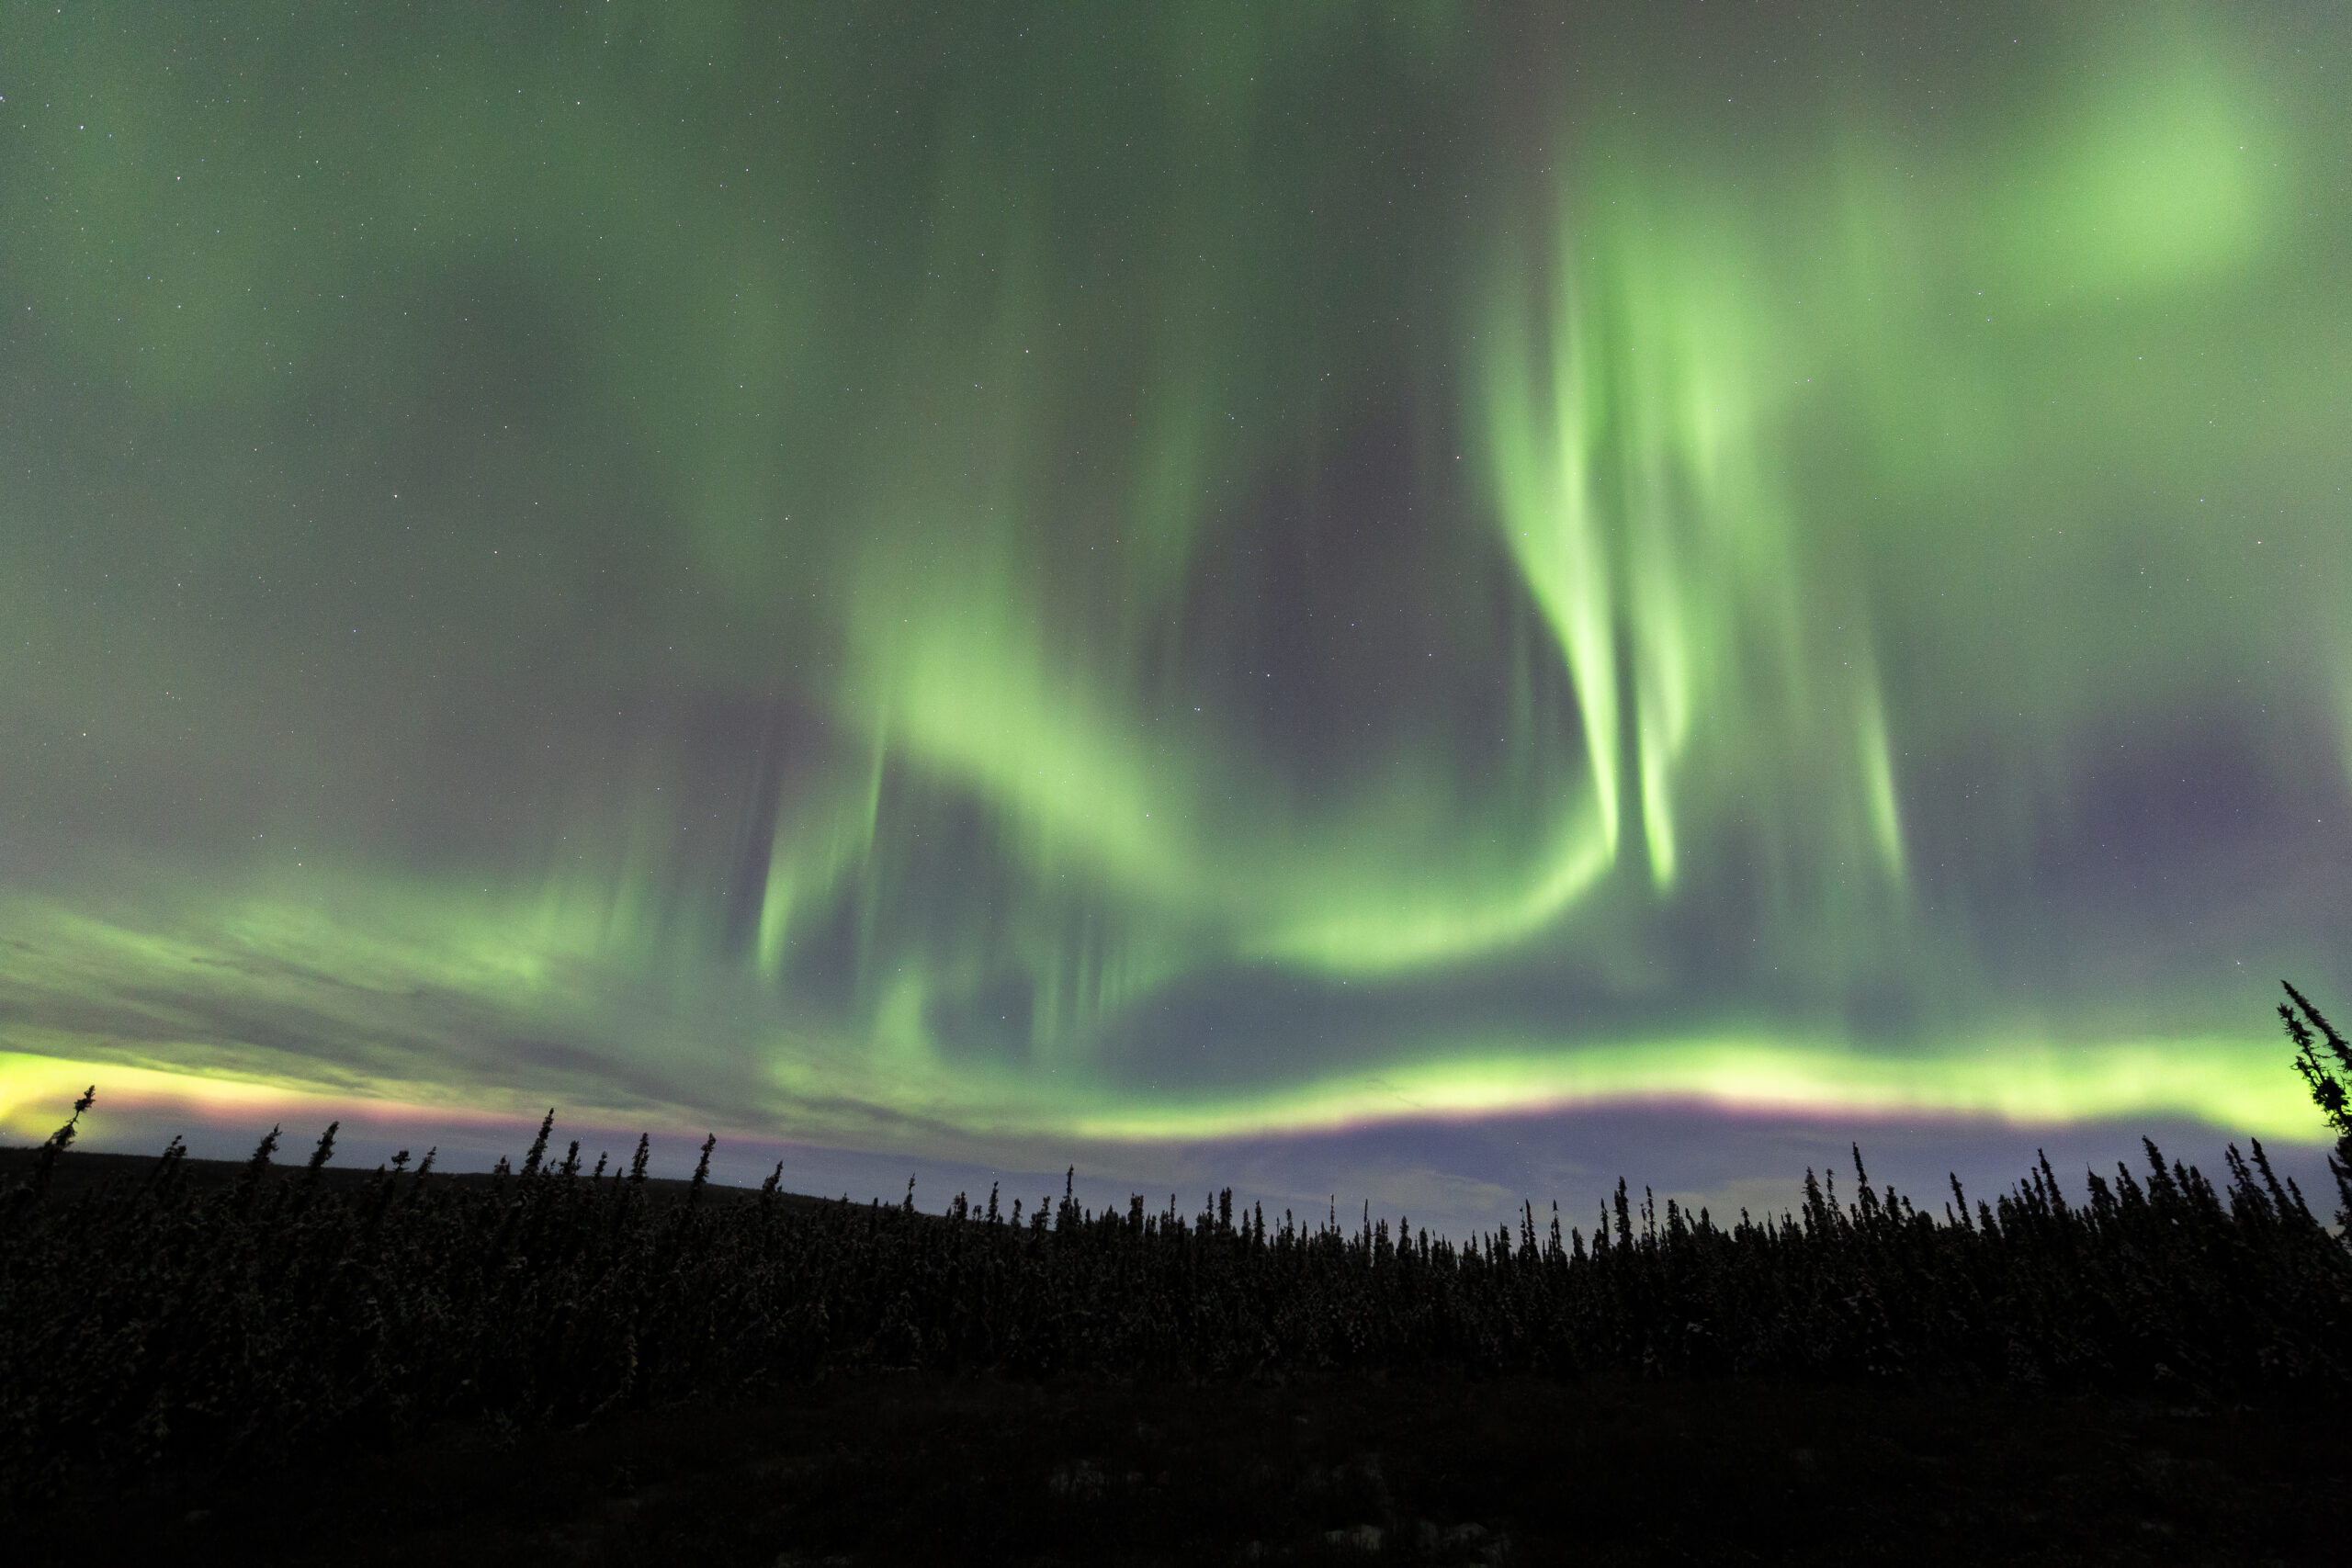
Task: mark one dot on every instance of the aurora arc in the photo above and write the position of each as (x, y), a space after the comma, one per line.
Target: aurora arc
(1209, 572)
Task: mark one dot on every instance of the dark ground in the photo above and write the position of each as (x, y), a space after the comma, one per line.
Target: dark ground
(907, 1470)
(903, 1469)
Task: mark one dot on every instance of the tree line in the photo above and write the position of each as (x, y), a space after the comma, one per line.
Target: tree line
(164, 1322)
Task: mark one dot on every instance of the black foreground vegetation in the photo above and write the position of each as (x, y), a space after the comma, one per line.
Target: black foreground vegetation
(168, 1331)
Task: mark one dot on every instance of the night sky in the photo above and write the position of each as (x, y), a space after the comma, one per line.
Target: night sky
(1429, 602)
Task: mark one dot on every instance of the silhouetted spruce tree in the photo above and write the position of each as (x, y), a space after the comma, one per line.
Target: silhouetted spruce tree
(35, 1185)
(2307, 1029)
(702, 1170)
(320, 1155)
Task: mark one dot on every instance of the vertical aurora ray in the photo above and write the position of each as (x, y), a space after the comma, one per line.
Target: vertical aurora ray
(1635, 490)
(1220, 574)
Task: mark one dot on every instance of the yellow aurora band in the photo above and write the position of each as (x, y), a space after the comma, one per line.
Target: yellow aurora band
(1239, 573)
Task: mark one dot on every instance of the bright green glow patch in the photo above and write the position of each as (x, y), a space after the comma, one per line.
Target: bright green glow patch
(2165, 173)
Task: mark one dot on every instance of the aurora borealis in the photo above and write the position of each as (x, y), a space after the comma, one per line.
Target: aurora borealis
(1109, 579)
